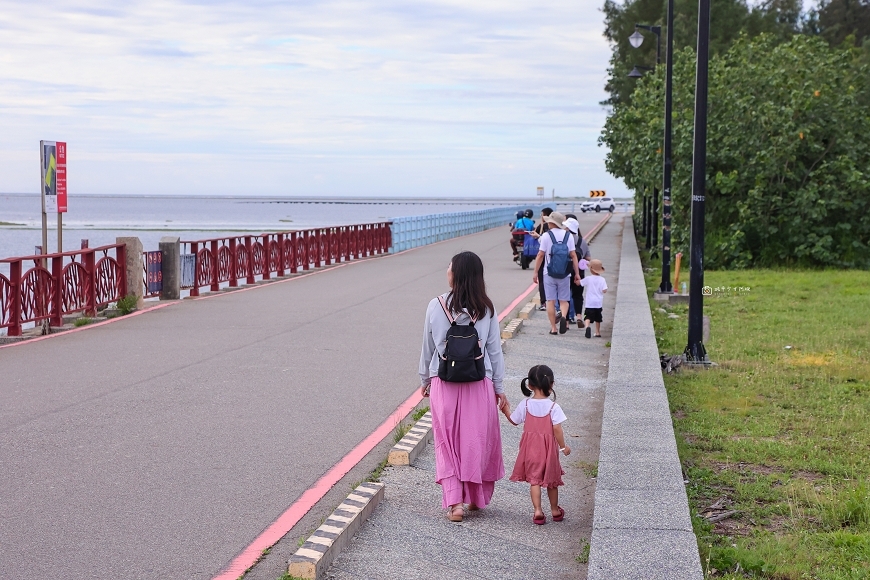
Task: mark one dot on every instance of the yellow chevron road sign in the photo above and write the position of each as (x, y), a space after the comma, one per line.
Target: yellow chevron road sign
(597, 193)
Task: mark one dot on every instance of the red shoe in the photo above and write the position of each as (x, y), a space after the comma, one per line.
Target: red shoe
(539, 520)
(561, 515)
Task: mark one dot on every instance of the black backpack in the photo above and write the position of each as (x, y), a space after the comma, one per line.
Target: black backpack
(462, 361)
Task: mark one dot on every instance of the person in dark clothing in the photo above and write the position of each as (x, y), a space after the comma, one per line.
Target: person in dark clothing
(582, 247)
(540, 230)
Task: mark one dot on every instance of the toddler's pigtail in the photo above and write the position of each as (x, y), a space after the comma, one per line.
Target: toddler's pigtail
(524, 388)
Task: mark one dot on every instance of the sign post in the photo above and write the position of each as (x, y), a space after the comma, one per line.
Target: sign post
(52, 163)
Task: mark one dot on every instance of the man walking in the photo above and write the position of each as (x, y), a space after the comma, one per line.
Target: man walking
(558, 257)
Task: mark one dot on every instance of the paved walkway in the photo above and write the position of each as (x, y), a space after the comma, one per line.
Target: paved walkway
(161, 445)
(409, 536)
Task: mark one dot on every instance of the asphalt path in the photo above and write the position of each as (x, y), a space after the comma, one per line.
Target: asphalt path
(161, 445)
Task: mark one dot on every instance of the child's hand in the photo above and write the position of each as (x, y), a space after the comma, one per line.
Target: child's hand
(566, 450)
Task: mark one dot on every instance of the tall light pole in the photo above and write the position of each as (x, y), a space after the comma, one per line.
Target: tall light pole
(695, 351)
(665, 286)
(651, 205)
(636, 40)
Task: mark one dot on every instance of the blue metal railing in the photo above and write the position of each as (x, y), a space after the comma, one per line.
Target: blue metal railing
(410, 232)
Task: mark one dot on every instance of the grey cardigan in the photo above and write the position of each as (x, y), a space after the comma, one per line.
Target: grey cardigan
(435, 336)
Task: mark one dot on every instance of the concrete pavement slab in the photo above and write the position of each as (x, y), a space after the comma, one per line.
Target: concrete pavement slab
(619, 554)
(642, 510)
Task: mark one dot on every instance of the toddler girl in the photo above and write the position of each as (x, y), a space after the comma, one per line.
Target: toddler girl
(538, 460)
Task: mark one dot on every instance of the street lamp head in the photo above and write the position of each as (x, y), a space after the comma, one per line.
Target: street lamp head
(635, 74)
(636, 39)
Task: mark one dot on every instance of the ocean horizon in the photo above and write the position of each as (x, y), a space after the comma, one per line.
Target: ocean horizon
(100, 218)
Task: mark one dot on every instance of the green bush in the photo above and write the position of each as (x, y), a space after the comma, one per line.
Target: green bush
(787, 148)
(126, 305)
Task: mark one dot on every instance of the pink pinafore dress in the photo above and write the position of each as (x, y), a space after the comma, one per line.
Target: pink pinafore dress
(538, 460)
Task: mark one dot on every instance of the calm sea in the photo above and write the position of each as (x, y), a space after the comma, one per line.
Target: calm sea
(102, 218)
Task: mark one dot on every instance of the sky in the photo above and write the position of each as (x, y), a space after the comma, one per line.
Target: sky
(425, 98)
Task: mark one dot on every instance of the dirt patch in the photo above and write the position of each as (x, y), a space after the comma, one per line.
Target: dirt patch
(678, 414)
(766, 470)
(732, 528)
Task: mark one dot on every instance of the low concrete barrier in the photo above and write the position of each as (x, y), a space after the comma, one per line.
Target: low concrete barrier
(641, 528)
(411, 232)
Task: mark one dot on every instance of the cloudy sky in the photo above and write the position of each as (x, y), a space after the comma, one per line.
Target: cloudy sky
(432, 97)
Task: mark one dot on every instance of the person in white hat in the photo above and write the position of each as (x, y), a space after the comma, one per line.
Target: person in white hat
(557, 269)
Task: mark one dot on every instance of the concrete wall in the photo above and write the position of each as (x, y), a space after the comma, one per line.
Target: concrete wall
(641, 528)
(410, 232)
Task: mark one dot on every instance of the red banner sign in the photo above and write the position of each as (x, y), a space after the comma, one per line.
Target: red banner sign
(61, 177)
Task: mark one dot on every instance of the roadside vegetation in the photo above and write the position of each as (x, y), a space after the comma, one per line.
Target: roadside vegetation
(775, 440)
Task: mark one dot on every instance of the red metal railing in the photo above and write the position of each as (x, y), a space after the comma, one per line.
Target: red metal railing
(230, 260)
(82, 280)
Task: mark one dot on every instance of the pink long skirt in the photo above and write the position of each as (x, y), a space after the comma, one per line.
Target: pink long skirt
(468, 457)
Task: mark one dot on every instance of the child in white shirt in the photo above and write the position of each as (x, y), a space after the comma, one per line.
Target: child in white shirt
(595, 287)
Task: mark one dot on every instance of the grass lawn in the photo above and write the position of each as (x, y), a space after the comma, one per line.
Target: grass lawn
(779, 432)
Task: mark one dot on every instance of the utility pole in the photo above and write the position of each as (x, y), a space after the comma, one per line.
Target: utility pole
(695, 351)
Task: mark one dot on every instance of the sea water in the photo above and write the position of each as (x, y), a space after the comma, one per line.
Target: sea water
(101, 218)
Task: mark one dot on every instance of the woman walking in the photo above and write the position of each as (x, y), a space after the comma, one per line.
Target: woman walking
(468, 454)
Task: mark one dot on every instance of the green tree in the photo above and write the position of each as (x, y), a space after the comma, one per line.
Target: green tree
(788, 148)
(840, 20)
(729, 19)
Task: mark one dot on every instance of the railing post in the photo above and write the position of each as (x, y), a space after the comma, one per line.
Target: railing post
(234, 263)
(306, 259)
(194, 291)
(132, 267)
(170, 269)
(327, 246)
(317, 248)
(14, 298)
(249, 249)
(294, 250)
(121, 259)
(56, 289)
(267, 255)
(91, 274)
(215, 267)
(280, 255)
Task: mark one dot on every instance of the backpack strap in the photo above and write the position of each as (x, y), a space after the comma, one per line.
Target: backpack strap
(552, 237)
(450, 316)
(446, 310)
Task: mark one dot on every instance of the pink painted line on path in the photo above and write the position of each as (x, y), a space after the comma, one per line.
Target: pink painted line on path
(519, 299)
(88, 326)
(307, 500)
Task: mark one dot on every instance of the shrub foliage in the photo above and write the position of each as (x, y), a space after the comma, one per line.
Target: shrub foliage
(788, 152)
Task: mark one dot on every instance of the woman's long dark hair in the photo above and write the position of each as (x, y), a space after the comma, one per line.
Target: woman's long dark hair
(469, 288)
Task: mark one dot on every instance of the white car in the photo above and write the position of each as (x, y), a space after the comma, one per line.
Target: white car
(598, 204)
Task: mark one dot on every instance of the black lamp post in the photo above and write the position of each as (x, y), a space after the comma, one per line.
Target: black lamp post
(636, 40)
(665, 286)
(695, 351)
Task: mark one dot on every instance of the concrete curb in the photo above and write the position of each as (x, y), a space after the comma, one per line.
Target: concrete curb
(512, 328)
(641, 528)
(528, 310)
(409, 447)
(313, 559)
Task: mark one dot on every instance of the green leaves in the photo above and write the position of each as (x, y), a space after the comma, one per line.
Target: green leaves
(788, 152)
